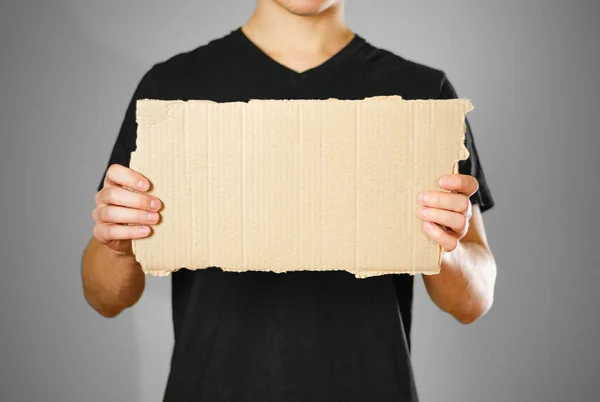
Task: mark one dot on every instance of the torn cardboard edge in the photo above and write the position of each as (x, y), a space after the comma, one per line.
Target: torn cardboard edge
(215, 127)
(358, 274)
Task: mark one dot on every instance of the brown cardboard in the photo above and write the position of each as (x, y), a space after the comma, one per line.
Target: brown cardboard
(287, 185)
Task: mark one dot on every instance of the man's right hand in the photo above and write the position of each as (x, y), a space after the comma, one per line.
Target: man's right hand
(123, 211)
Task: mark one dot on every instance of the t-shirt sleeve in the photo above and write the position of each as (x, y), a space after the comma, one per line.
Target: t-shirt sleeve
(126, 139)
(472, 165)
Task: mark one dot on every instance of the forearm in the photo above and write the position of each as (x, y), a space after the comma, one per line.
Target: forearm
(464, 287)
(112, 281)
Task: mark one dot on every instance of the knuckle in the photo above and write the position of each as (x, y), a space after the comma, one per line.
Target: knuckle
(116, 196)
(110, 171)
(113, 168)
(111, 232)
(105, 196)
(469, 211)
(97, 232)
(109, 195)
(106, 214)
(142, 201)
(464, 204)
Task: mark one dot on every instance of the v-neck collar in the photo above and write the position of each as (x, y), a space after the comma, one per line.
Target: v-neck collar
(342, 54)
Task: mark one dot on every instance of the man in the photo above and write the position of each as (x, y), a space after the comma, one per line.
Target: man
(302, 336)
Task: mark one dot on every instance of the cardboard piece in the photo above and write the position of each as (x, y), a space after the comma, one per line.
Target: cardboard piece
(287, 185)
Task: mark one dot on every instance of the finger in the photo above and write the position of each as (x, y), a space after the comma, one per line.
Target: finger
(108, 232)
(449, 201)
(452, 220)
(126, 198)
(440, 236)
(460, 183)
(118, 175)
(115, 214)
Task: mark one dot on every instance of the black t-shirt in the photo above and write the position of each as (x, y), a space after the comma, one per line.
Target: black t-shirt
(300, 336)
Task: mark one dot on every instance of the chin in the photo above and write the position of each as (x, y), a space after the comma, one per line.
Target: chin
(306, 7)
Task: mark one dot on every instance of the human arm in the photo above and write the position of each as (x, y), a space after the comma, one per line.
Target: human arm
(112, 278)
(112, 281)
(465, 285)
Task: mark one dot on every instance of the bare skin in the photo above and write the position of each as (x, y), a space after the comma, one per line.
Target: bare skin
(299, 35)
(465, 285)
(112, 278)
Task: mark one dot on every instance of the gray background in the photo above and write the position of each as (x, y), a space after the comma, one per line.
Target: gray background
(67, 70)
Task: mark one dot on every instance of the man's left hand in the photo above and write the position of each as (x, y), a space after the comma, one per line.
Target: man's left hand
(446, 215)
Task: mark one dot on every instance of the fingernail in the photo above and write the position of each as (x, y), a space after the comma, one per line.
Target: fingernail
(144, 230)
(154, 204)
(444, 181)
(142, 185)
(422, 196)
(152, 216)
(421, 212)
(428, 226)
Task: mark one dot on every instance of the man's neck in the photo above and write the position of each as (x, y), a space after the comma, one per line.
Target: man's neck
(297, 42)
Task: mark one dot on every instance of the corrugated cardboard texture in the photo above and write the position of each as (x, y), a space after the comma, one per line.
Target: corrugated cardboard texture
(287, 185)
